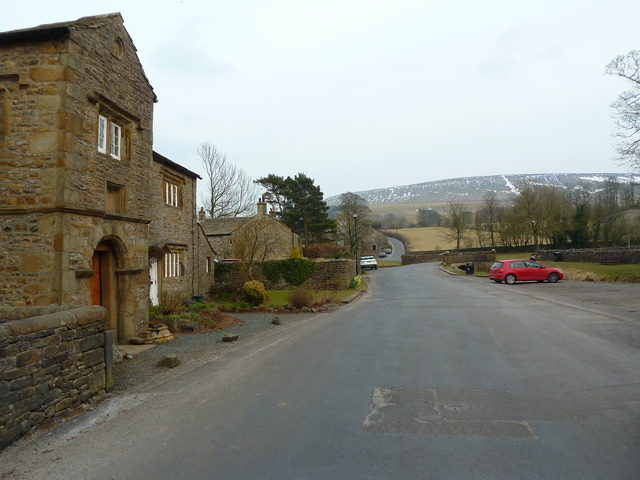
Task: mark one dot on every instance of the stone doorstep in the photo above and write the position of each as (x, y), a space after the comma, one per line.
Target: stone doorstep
(133, 350)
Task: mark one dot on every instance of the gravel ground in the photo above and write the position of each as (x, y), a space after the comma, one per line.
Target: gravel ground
(193, 348)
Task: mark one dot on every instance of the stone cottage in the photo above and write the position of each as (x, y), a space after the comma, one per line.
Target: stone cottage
(76, 123)
(180, 258)
(258, 238)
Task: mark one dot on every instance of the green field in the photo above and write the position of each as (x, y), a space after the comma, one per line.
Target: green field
(426, 238)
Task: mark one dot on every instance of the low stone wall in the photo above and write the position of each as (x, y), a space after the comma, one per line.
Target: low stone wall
(421, 257)
(329, 274)
(481, 259)
(49, 364)
(627, 255)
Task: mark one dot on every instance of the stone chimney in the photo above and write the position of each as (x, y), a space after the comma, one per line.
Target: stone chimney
(262, 206)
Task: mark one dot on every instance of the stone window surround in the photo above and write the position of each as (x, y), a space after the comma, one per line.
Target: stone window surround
(115, 198)
(173, 265)
(117, 122)
(172, 187)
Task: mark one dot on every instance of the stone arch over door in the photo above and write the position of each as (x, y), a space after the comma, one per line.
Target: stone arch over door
(107, 257)
(113, 284)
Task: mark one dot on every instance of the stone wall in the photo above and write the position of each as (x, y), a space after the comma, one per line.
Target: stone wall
(49, 364)
(328, 275)
(592, 255)
(421, 257)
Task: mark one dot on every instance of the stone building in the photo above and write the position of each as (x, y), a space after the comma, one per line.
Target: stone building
(180, 258)
(258, 238)
(76, 123)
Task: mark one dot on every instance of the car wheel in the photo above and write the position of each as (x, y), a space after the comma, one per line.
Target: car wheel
(510, 279)
(553, 277)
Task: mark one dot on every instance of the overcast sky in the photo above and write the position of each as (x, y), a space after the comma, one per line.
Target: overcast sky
(372, 94)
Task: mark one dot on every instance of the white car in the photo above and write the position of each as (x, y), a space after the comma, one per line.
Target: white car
(368, 261)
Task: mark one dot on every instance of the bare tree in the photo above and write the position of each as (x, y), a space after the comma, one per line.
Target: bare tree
(459, 220)
(231, 193)
(253, 244)
(490, 212)
(626, 109)
(354, 220)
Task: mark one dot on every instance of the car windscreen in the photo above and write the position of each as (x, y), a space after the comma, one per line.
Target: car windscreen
(497, 265)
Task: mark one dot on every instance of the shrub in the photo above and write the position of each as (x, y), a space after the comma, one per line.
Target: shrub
(356, 282)
(299, 297)
(271, 270)
(234, 307)
(323, 250)
(155, 311)
(254, 292)
(296, 271)
(295, 253)
(171, 302)
(220, 270)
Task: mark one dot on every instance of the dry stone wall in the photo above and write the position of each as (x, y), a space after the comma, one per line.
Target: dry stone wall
(50, 364)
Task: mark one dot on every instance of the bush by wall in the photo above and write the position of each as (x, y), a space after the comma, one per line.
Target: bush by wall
(254, 292)
(294, 271)
(327, 275)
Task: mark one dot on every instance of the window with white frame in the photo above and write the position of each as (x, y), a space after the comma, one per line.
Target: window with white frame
(172, 192)
(172, 265)
(112, 139)
(116, 135)
(102, 134)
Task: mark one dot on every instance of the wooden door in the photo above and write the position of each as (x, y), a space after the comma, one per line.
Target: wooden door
(96, 290)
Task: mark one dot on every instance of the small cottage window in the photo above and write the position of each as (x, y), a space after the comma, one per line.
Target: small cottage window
(114, 198)
(102, 134)
(113, 138)
(118, 48)
(172, 193)
(116, 135)
(172, 265)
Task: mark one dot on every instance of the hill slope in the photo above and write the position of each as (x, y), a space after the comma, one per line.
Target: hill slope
(472, 189)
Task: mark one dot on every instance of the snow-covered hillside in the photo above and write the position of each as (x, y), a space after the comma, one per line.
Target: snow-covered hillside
(472, 189)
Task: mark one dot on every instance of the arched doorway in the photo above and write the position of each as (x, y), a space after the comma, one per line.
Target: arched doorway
(104, 289)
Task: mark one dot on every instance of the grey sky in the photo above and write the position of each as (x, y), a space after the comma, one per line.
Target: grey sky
(371, 94)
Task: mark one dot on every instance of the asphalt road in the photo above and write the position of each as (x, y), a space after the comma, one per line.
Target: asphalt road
(397, 250)
(428, 376)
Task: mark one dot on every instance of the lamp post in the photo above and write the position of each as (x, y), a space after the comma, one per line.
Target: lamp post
(355, 234)
(535, 236)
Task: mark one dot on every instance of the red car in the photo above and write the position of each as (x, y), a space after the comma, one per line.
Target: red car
(512, 271)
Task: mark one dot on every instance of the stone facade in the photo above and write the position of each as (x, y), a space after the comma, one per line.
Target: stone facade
(262, 237)
(76, 117)
(175, 234)
(50, 364)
